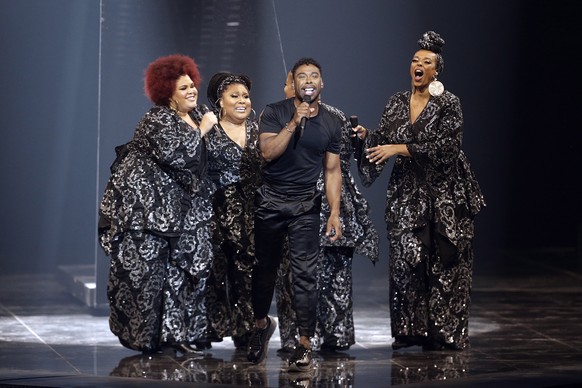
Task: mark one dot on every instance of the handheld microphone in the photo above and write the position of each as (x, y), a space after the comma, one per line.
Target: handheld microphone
(203, 109)
(307, 99)
(355, 139)
(354, 123)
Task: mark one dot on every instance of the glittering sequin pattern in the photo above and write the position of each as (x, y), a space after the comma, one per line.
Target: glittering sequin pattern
(431, 202)
(154, 182)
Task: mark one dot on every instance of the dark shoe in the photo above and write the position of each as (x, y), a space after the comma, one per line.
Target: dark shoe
(300, 361)
(259, 342)
(202, 344)
(152, 351)
(325, 347)
(186, 349)
(430, 345)
(436, 345)
(405, 341)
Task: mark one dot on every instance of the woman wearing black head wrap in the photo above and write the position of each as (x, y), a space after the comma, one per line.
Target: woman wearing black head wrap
(431, 203)
(234, 173)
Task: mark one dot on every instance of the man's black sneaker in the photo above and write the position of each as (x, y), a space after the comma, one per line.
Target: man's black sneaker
(259, 342)
(300, 361)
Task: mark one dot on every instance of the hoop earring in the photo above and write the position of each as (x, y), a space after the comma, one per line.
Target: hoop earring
(220, 113)
(436, 88)
(254, 114)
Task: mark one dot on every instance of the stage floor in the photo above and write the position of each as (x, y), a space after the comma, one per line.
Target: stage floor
(525, 329)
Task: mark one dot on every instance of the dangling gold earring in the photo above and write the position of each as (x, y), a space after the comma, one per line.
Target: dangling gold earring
(436, 88)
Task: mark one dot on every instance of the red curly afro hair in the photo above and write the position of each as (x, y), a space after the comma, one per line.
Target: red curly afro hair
(161, 76)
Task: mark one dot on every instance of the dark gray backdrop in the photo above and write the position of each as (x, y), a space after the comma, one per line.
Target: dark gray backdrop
(72, 81)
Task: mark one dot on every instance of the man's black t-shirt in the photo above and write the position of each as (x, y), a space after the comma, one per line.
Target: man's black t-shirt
(298, 168)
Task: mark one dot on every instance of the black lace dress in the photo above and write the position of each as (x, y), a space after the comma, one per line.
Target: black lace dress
(431, 202)
(234, 173)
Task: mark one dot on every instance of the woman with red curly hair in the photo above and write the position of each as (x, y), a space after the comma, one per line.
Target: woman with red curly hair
(145, 219)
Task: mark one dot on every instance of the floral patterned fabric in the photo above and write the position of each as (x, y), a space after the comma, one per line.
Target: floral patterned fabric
(144, 213)
(234, 173)
(431, 202)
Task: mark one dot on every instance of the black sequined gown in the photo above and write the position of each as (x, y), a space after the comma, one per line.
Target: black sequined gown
(335, 324)
(153, 184)
(234, 173)
(431, 202)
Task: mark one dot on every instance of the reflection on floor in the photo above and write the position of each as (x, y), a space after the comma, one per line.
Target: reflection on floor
(525, 330)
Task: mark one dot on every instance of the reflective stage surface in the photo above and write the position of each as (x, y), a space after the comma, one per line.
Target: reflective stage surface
(525, 327)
